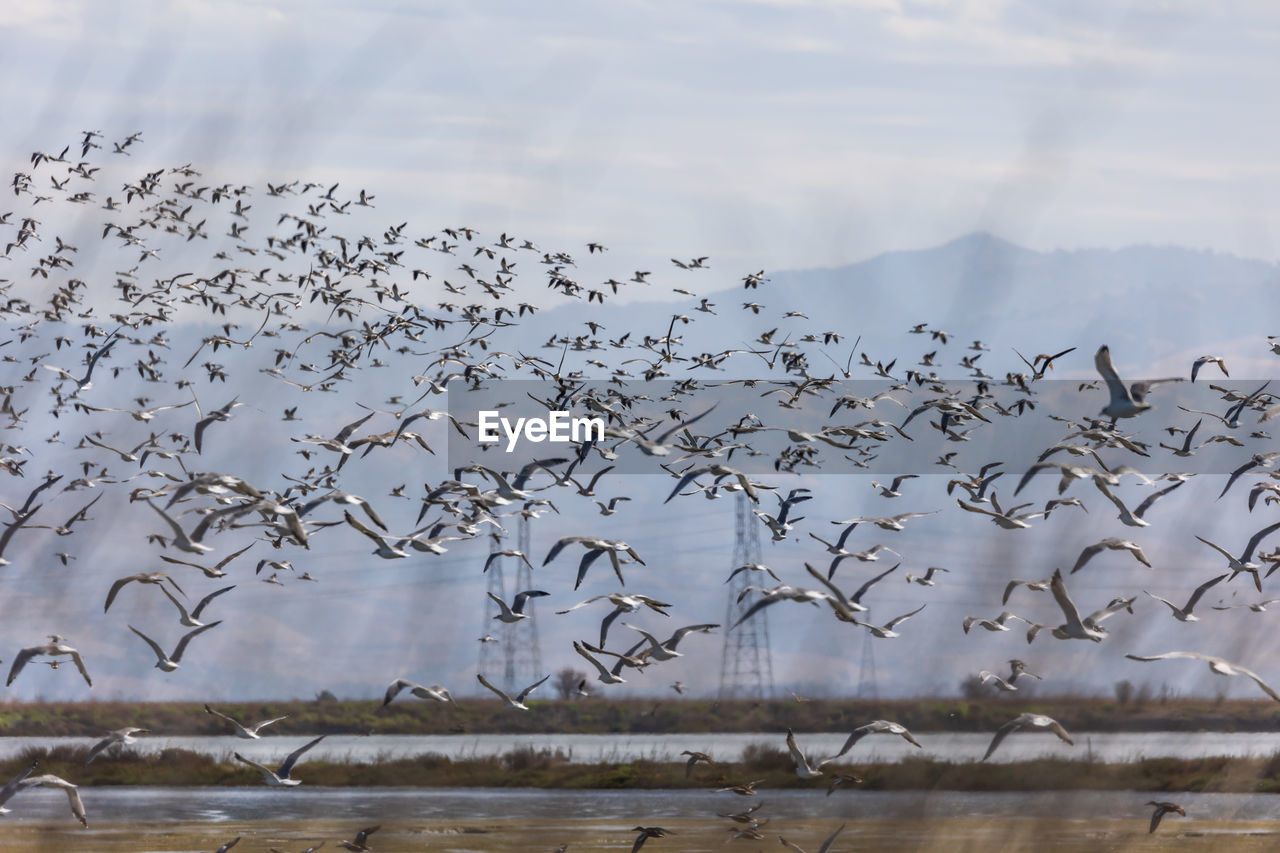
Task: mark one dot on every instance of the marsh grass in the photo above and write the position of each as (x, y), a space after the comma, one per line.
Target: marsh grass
(638, 716)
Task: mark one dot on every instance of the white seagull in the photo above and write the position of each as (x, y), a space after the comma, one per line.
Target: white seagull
(878, 727)
(435, 691)
(805, 768)
(1126, 401)
(54, 648)
(1184, 614)
(243, 731)
(280, 778)
(192, 619)
(515, 612)
(1037, 721)
(123, 737)
(168, 663)
(1217, 665)
(518, 702)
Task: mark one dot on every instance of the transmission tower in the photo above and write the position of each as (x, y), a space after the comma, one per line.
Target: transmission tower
(491, 649)
(513, 657)
(523, 655)
(746, 668)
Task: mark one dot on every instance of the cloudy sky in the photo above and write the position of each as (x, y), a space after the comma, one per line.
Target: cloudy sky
(768, 135)
(784, 134)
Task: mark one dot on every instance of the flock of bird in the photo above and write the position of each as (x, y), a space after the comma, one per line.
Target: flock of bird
(315, 321)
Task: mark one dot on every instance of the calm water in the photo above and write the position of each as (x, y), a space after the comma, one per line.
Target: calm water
(308, 803)
(589, 749)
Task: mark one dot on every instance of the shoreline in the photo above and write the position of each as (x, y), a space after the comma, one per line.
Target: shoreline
(551, 770)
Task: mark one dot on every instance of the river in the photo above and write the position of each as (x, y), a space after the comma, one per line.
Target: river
(590, 749)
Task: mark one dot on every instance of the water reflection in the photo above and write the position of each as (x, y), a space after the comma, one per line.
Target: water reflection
(150, 805)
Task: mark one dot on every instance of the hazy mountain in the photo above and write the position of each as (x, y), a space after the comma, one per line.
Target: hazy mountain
(1148, 302)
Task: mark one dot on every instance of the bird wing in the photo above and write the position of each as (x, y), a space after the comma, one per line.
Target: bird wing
(178, 604)
(186, 638)
(522, 597)
(1059, 589)
(115, 589)
(1141, 557)
(501, 694)
(581, 604)
(155, 647)
(287, 765)
(871, 728)
(1200, 591)
(532, 687)
(857, 596)
(16, 782)
(796, 755)
(354, 522)
(502, 605)
(195, 614)
(1086, 555)
(347, 431)
(893, 623)
(1139, 389)
(589, 558)
(826, 845)
(680, 634)
(229, 719)
(1116, 605)
(1257, 680)
(559, 546)
(394, 690)
(264, 770)
(79, 662)
(577, 647)
(73, 793)
(1146, 505)
(609, 620)
(1257, 538)
(1102, 361)
(1171, 655)
(265, 723)
(1217, 548)
(1002, 733)
(978, 509)
(1057, 729)
(21, 660)
(100, 746)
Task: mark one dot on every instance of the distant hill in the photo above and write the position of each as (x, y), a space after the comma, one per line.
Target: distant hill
(1148, 302)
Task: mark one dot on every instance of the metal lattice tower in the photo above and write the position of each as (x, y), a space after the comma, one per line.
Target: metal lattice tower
(491, 651)
(746, 668)
(513, 659)
(523, 655)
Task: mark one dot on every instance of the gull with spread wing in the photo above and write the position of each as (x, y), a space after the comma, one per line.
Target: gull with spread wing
(280, 777)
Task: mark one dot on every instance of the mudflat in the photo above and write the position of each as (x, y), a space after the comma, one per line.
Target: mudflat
(530, 836)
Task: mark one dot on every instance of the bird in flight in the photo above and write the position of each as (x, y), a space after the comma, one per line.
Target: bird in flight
(280, 777)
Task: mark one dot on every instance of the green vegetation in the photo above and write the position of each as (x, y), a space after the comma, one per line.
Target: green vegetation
(639, 716)
(542, 768)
